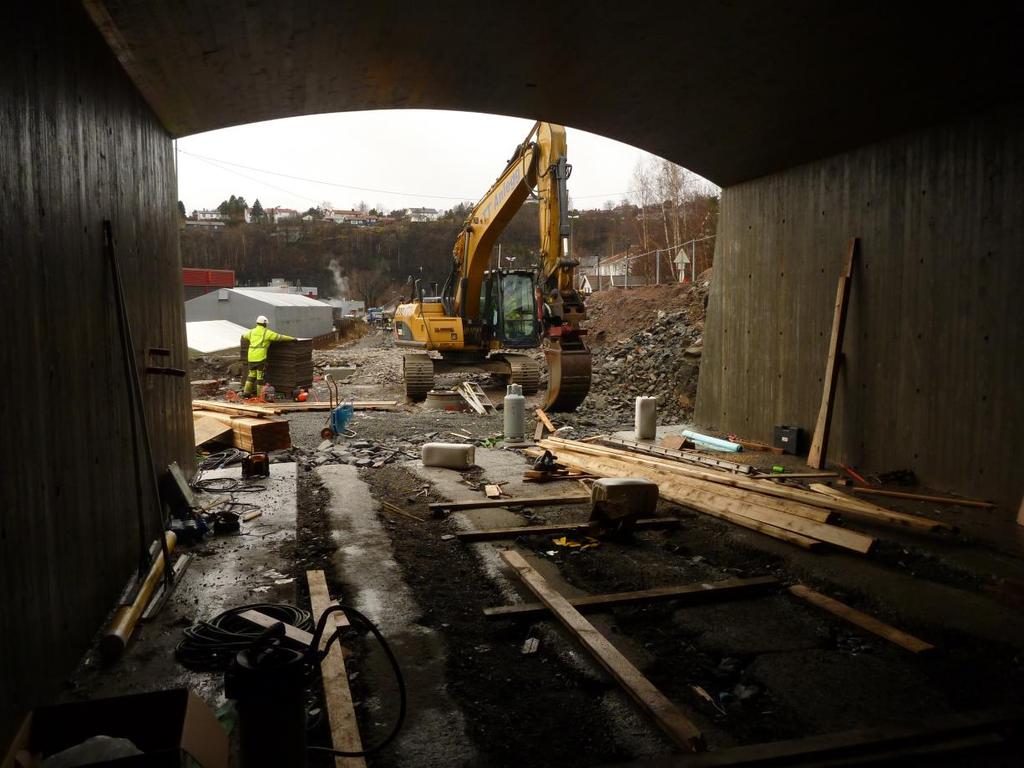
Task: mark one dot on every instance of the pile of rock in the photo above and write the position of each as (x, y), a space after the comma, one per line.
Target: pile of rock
(358, 453)
(662, 361)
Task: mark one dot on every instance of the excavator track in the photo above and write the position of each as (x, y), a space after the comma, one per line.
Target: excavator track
(568, 378)
(418, 373)
(525, 372)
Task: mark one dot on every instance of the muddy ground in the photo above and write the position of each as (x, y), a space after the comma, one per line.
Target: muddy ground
(772, 667)
(762, 668)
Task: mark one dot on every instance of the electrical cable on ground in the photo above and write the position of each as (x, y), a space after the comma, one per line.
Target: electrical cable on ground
(212, 645)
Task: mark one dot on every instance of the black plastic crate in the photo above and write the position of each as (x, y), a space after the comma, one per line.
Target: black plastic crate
(788, 439)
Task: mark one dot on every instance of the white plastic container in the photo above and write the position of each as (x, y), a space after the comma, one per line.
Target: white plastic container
(646, 421)
(515, 414)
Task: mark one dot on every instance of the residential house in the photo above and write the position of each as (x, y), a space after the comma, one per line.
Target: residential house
(423, 214)
(282, 214)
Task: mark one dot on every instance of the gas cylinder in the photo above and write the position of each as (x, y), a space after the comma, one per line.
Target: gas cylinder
(515, 414)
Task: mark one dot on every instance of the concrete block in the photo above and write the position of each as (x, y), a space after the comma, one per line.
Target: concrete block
(448, 455)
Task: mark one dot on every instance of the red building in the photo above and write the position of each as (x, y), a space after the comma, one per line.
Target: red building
(200, 281)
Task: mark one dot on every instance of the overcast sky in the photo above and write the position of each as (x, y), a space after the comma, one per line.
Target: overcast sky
(400, 158)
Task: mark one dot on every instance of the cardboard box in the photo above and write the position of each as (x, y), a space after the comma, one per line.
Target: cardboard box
(173, 728)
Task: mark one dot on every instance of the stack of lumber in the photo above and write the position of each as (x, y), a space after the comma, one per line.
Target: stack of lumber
(276, 409)
(289, 364)
(252, 432)
(794, 515)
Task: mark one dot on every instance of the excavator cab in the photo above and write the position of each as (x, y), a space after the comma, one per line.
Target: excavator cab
(509, 308)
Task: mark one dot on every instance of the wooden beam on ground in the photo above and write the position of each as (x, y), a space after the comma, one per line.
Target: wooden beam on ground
(687, 593)
(748, 510)
(495, 534)
(337, 696)
(543, 417)
(796, 475)
(665, 451)
(359, 405)
(798, 508)
(526, 501)
(878, 514)
(819, 442)
(235, 409)
(923, 497)
(555, 444)
(862, 620)
(860, 742)
(666, 715)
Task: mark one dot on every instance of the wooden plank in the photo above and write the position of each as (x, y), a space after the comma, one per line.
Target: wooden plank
(796, 475)
(664, 450)
(235, 409)
(862, 620)
(881, 514)
(254, 434)
(923, 497)
(811, 512)
(359, 405)
(745, 512)
(545, 420)
(525, 501)
(688, 593)
(753, 445)
(722, 478)
(296, 635)
(813, 750)
(819, 442)
(494, 534)
(337, 696)
(673, 723)
(206, 429)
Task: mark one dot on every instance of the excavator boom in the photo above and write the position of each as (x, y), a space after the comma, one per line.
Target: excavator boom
(482, 310)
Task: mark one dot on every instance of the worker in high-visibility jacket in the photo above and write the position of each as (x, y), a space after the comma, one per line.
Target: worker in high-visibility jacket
(260, 338)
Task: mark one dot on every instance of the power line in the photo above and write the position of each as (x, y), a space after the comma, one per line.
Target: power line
(461, 198)
(216, 164)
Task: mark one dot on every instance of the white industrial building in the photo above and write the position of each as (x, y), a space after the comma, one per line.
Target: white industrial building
(288, 313)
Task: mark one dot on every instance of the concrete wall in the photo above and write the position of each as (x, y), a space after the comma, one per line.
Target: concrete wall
(934, 339)
(78, 146)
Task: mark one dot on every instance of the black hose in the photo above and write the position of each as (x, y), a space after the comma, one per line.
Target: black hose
(360, 618)
(211, 645)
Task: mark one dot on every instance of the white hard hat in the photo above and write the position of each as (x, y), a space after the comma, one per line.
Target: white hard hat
(262, 320)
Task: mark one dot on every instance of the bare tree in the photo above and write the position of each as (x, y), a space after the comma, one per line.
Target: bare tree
(368, 284)
(642, 192)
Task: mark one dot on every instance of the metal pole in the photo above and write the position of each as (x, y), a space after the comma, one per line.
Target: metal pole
(693, 262)
(657, 267)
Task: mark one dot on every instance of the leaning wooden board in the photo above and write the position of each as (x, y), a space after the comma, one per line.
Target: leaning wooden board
(666, 715)
(206, 428)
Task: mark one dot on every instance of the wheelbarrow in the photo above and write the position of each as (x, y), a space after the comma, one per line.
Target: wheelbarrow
(340, 414)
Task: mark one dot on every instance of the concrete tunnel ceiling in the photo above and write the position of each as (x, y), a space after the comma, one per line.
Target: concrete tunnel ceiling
(731, 90)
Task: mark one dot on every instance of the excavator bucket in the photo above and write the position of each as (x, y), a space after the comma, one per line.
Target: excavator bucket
(568, 378)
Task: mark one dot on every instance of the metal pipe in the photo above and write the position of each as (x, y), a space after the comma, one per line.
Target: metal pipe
(115, 639)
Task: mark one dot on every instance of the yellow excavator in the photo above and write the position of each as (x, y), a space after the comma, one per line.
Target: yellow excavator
(482, 312)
